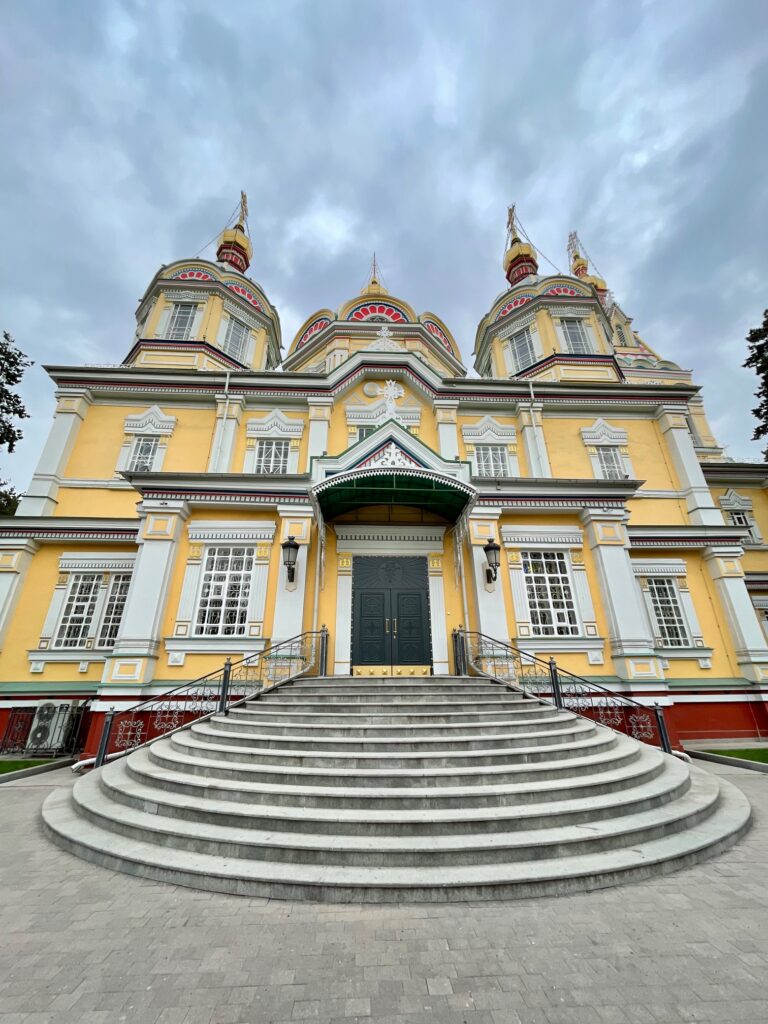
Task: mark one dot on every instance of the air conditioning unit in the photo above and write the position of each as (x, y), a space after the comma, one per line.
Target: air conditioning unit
(51, 725)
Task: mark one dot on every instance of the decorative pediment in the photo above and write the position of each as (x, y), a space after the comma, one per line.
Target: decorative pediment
(390, 455)
(275, 425)
(734, 502)
(385, 341)
(379, 412)
(488, 430)
(603, 433)
(153, 421)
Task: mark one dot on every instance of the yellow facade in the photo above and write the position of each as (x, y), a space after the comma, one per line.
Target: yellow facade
(630, 549)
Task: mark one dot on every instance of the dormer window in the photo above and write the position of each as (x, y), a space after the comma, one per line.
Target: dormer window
(576, 337)
(235, 339)
(181, 320)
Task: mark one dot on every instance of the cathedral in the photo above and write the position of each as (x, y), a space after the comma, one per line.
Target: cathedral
(222, 489)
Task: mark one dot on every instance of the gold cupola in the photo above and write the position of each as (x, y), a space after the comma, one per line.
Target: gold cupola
(234, 244)
(520, 258)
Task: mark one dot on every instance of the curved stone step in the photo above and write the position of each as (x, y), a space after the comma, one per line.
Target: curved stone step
(170, 755)
(341, 883)
(186, 775)
(187, 740)
(271, 714)
(124, 787)
(320, 740)
(365, 851)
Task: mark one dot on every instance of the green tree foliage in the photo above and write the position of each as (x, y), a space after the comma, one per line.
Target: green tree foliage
(757, 360)
(13, 364)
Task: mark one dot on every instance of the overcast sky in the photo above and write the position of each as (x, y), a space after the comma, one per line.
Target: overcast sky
(128, 129)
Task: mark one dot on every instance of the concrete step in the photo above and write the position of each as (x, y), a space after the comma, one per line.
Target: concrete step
(435, 788)
(393, 851)
(324, 739)
(343, 883)
(187, 740)
(123, 787)
(170, 755)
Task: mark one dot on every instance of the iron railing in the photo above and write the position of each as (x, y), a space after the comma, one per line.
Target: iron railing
(545, 680)
(45, 730)
(234, 683)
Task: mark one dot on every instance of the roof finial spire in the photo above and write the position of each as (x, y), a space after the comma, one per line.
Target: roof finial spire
(374, 270)
(520, 258)
(234, 245)
(374, 286)
(579, 260)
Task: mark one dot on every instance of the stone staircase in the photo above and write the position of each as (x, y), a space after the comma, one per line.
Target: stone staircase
(381, 790)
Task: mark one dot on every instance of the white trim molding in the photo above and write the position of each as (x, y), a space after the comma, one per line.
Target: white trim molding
(152, 423)
(675, 569)
(602, 435)
(488, 431)
(731, 502)
(276, 426)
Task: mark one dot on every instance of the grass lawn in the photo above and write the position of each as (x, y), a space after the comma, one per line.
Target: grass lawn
(747, 753)
(16, 766)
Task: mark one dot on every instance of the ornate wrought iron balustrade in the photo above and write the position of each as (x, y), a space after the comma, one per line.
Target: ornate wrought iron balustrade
(546, 681)
(215, 693)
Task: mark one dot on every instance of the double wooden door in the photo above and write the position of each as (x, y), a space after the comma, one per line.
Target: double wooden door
(390, 612)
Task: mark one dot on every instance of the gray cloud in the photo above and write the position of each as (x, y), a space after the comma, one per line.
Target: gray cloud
(129, 128)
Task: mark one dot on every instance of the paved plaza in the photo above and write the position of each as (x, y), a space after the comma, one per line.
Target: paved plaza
(82, 944)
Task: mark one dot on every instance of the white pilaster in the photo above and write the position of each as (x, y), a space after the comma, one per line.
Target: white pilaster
(229, 410)
(629, 631)
(724, 564)
(491, 609)
(290, 597)
(698, 497)
(342, 660)
(41, 497)
(319, 422)
(135, 653)
(437, 620)
(533, 439)
(15, 559)
(447, 430)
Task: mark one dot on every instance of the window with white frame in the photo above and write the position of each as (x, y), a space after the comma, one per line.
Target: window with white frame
(610, 462)
(235, 339)
(521, 350)
(621, 338)
(745, 521)
(671, 626)
(143, 453)
(181, 320)
(88, 612)
(490, 460)
(114, 608)
(225, 590)
(550, 593)
(272, 457)
(363, 432)
(576, 337)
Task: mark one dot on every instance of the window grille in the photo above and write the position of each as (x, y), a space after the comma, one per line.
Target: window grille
(181, 320)
(490, 460)
(550, 595)
(271, 457)
(665, 601)
(235, 339)
(222, 608)
(521, 349)
(143, 454)
(79, 609)
(576, 337)
(621, 336)
(115, 606)
(611, 463)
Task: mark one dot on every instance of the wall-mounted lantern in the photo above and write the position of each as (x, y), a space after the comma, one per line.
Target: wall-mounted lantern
(290, 554)
(492, 552)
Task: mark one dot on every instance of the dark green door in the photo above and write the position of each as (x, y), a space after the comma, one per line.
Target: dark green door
(390, 612)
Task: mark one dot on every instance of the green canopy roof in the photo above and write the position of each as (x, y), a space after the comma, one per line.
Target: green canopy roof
(417, 488)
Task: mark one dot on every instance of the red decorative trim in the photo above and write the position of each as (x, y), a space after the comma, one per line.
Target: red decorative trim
(367, 310)
(245, 293)
(433, 328)
(192, 274)
(314, 327)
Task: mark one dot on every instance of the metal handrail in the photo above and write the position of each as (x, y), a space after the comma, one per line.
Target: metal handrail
(546, 681)
(215, 693)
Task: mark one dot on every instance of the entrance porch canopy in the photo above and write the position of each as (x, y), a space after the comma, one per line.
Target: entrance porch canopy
(388, 485)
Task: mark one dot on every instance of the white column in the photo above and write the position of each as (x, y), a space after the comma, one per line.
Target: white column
(533, 439)
(447, 430)
(491, 609)
(290, 597)
(437, 621)
(134, 657)
(342, 660)
(698, 497)
(41, 496)
(724, 564)
(15, 559)
(629, 631)
(229, 410)
(319, 421)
